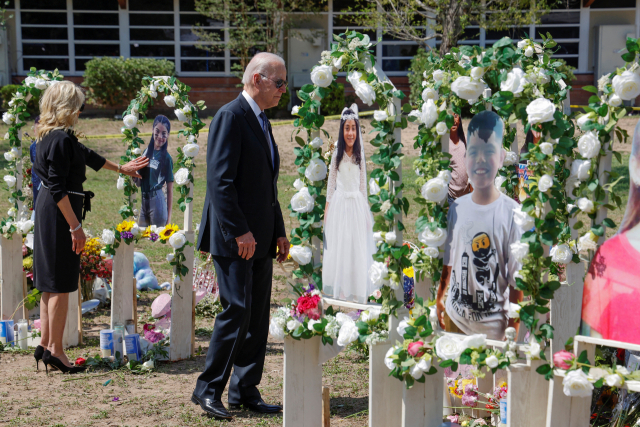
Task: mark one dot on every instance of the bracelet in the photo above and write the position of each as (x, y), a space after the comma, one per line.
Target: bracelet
(77, 228)
(119, 167)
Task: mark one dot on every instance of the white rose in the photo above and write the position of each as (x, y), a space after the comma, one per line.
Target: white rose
(26, 226)
(402, 326)
(435, 190)
(449, 347)
(302, 201)
(510, 158)
(374, 188)
(528, 52)
(622, 370)
(561, 254)
(293, 324)
(475, 341)
(322, 75)
(8, 118)
(181, 177)
(108, 237)
(477, 73)
(585, 205)
(148, 365)
(295, 109)
(587, 242)
(41, 84)
(498, 183)
(615, 101)
(170, 257)
(390, 237)
(379, 274)
(120, 183)
(420, 368)
(373, 314)
(522, 43)
(546, 148)
(576, 384)
(170, 100)
(354, 78)
(468, 89)
(584, 120)
(135, 230)
(301, 254)
(152, 92)
(613, 380)
(191, 139)
(581, 169)
(316, 142)
(442, 128)
(545, 183)
(435, 238)
(180, 115)
(388, 361)
(445, 175)
(525, 221)
(12, 212)
(339, 62)
(540, 111)
(432, 252)
(515, 81)
(519, 250)
(589, 145)
(348, 333)
(130, 121)
(438, 75)
(429, 94)
(377, 237)
(429, 113)
(532, 350)
(627, 85)
(276, 329)
(492, 361)
(514, 311)
(8, 156)
(597, 373)
(386, 205)
(136, 151)
(191, 150)
(316, 171)
(380, 115)
(177, 240)
(365, 40)
(298, 184)
(365, 92)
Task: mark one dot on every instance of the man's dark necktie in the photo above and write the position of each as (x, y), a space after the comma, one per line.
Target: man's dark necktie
(265, 129)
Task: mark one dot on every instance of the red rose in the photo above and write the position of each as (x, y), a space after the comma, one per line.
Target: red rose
(307, 303)
(80, 361)
(414, 349)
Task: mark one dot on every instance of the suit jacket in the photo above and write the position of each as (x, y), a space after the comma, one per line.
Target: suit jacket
(242, 192)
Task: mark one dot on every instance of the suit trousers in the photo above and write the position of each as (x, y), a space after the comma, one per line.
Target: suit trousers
(240, 332)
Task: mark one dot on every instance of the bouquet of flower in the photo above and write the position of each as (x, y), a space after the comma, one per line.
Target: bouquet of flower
(129, 231)
(92, 265)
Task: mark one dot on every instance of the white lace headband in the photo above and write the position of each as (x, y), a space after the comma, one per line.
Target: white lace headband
(352, 115)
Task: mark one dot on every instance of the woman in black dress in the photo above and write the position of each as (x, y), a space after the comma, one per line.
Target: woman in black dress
(61, 163)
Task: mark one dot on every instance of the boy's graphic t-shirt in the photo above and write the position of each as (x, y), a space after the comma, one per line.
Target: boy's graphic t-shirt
(477, 249)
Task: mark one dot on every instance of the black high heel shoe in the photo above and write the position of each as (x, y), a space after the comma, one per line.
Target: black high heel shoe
(48, 359)
(38, 356)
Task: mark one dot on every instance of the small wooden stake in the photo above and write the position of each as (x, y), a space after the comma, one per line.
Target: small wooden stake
(135, 306)
(193, 323)
(79, 312)
(326, 407)
(25, 312)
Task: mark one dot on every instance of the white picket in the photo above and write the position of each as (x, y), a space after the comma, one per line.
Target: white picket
(122, 285)
(422, 404)
(70, 338)
(11, 277)
(181, 309)
(302, 382)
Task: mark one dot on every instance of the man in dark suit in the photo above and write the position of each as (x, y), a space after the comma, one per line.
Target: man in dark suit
(241, 227)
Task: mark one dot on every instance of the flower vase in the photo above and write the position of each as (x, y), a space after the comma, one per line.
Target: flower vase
(86, 289)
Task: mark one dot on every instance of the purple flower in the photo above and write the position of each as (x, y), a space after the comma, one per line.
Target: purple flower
(126, 235)
(310, 288)
(153, 336)
(153, 237)
(115, 399)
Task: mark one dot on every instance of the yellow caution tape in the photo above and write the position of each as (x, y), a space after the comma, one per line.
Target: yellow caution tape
(582, 106)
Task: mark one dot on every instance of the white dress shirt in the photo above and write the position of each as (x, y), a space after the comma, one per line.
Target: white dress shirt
(256, 109)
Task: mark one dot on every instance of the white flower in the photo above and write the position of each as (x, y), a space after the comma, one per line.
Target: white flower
(585, 205)
(492, 361)
(302, 201)
(377, 294)
(26, 226)
(108, 237)
(191, 150)
(170, 257)
(339, 62)
(322, 75)
(374, 188)
(41, 84)
(152, 92)
(546, 148)
(316, 142)
(348, 333)
(301, 254)
(475, 341)
(136, 151)
(402, 326)
(510, 158)
(365, 92)
(522, 43)
(420, 368)
(177, 280)
(380, 115)
(587, 242)
(371, 315)
(170, 100)
(515, 81)
(532, 350)
(428, 114)
(311, 323)
(7, 136)
(379, 274)
(540, 111)
(613, 380)
(589, 145)
(615, 101)
(622, 370)
(545, 183)
(477, 73)
(388, 361)
(561, 254)
(449, 347)
(130, 121)
(8, 156)
(120, 183)
(435, 190)
(316, 171)
(597, 373)
(298, 184)
(468, 89)
(390, 238)
(148, 365)
(8, 118)
(525, 221)
(445, 175)
(429, 93)
(581, 169)
(182, 176)
(276, 328)
(177, 240)
(576, 384)
(514, 311)
(135, 230)
(442, 128)
(438, 75)
(293, 324)
(431, 252)
(528, 52)
(498, 183)
(386, 205)
(377, 237)
(435, 238)
(181, 115)
(627, 85)
(519, 250)
(354, 78)
(295, 109)
(584, 120)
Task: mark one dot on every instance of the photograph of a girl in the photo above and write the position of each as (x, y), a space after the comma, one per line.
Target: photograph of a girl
(156, 208)
(612, 286)
(348, 222)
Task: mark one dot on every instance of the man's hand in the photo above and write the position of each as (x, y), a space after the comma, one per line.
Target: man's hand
(247, 245)
(283, 249)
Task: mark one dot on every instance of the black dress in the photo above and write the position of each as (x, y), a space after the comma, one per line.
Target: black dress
(61, 163)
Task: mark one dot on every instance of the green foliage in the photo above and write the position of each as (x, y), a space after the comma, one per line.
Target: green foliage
(419, 64)
(6, 92)
(334, 102)
(208, 307)
(111, 82)
(283, 105)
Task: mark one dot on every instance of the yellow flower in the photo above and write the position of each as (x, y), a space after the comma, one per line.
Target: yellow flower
(408, 272)
(168, 231)
(146, 232)
(125, 226)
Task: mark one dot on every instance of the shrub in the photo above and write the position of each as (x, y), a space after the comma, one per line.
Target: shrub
(114, 81)
(6, 92)
(334, 102)
(280, 109)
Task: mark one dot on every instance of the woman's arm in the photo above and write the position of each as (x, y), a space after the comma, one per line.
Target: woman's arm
(169, 200)
(130, 168)
(78, 238)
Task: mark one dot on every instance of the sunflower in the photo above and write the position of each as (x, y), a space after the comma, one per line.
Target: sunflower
(125, 226)
(146, 232)
(168, 231)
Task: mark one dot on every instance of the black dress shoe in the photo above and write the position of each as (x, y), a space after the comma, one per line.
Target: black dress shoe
(258, 405)
(213, 408)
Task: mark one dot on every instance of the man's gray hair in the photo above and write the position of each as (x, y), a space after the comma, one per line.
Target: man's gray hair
(261, 63)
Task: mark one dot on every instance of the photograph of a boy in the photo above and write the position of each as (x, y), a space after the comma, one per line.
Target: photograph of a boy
(478, 269)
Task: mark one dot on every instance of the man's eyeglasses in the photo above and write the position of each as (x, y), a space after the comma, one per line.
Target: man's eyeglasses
(279, 83)
(82, 107)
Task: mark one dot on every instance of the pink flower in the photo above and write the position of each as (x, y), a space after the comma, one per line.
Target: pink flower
(414, 349)
(453, 418)
(470, 400)
(563, 359)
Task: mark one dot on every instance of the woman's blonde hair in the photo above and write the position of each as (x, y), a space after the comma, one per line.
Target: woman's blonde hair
(59, 106)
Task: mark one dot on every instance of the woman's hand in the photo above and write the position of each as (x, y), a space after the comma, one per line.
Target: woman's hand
(134, 166)
(78, 239)
(453, 133)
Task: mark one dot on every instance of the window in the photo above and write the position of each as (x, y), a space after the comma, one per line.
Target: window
(96, 31)
(194, 59)
(151, 29)
(44, 34)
